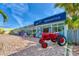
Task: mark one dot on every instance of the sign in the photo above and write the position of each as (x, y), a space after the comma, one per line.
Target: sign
(55, 18)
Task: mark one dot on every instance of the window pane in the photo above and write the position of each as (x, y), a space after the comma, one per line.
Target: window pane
(54, 29)
(61, 29)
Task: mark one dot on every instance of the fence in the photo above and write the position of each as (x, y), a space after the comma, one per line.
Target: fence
(73, 36)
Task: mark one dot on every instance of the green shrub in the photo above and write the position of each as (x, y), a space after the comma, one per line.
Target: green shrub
(2, 31)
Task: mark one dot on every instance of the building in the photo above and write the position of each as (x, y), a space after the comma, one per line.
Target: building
(52, 24)
(28, 29)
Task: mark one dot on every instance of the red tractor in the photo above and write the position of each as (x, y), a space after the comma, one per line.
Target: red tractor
(54, 37)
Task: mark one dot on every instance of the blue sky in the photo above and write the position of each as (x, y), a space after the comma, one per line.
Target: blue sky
(20, 14)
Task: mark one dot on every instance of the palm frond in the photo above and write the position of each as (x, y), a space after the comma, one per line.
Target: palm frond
(4, 16)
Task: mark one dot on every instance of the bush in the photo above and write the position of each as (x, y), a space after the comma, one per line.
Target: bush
(2, 31)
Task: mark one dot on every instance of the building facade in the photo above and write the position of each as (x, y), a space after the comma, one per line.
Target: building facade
(51, 24)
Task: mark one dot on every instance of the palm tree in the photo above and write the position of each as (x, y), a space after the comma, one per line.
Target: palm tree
(72, 10)
(4, 16)
(4, 20)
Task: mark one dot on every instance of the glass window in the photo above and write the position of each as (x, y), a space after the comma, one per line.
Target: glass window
(60, 28)
(61, 24)
(54, 25)
(46, 26)
(54, 29)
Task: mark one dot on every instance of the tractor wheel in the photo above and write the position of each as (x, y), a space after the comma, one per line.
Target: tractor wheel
(61, 40)
(44, 45)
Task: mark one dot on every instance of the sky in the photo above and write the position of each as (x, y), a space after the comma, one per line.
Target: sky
(24, 14)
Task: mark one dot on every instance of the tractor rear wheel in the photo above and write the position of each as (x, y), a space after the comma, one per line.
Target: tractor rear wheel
(61, 40)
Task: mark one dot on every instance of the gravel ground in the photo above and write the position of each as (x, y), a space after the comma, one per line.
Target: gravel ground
(36, 50)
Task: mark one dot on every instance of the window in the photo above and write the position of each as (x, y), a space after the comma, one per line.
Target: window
(54, 28)
(58, 28)
(61, 28)
(46, 30)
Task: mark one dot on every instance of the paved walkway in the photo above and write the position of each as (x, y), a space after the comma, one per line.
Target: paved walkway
(36, 50)
(76, 50)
